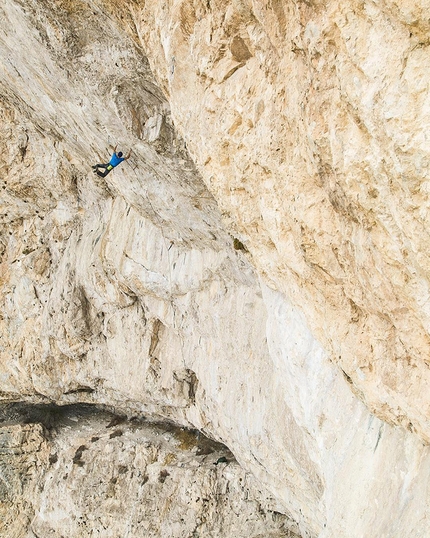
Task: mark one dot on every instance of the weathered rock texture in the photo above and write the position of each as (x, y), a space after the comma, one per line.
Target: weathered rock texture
(80, 472)
(269, 291)
(309, 122)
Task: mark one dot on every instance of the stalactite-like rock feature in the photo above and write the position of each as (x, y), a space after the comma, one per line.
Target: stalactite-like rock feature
(257, 271)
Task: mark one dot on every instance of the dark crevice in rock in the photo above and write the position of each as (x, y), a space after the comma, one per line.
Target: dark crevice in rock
(51, 416)
(56, 417)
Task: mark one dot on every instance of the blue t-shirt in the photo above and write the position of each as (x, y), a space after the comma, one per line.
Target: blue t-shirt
(115, 160)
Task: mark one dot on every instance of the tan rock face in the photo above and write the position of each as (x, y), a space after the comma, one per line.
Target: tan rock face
(263, 298)
(308, 123)
(24, 456)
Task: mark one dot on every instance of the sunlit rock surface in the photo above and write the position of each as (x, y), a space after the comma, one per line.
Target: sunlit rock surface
(309, 122)
(256, 271)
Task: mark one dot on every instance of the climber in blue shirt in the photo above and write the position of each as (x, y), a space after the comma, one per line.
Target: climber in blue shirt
(115, 160)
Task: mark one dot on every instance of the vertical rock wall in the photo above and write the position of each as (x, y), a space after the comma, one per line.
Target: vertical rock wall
(309, 121)
(262, 298)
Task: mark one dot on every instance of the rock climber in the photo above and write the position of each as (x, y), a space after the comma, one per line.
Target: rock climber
(115, 160)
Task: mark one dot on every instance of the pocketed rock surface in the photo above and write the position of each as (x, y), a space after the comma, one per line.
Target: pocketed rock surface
(91, 473)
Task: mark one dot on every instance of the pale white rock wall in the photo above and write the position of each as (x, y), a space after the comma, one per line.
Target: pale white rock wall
(371, 473)
(129, 292)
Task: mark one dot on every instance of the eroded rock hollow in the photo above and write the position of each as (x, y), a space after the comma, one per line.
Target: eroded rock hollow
(247, 296)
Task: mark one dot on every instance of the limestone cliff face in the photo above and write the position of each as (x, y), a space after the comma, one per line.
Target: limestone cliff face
(309, 124)
(256, 271)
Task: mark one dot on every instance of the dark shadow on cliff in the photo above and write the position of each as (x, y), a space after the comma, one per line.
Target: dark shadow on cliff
(56, 417)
